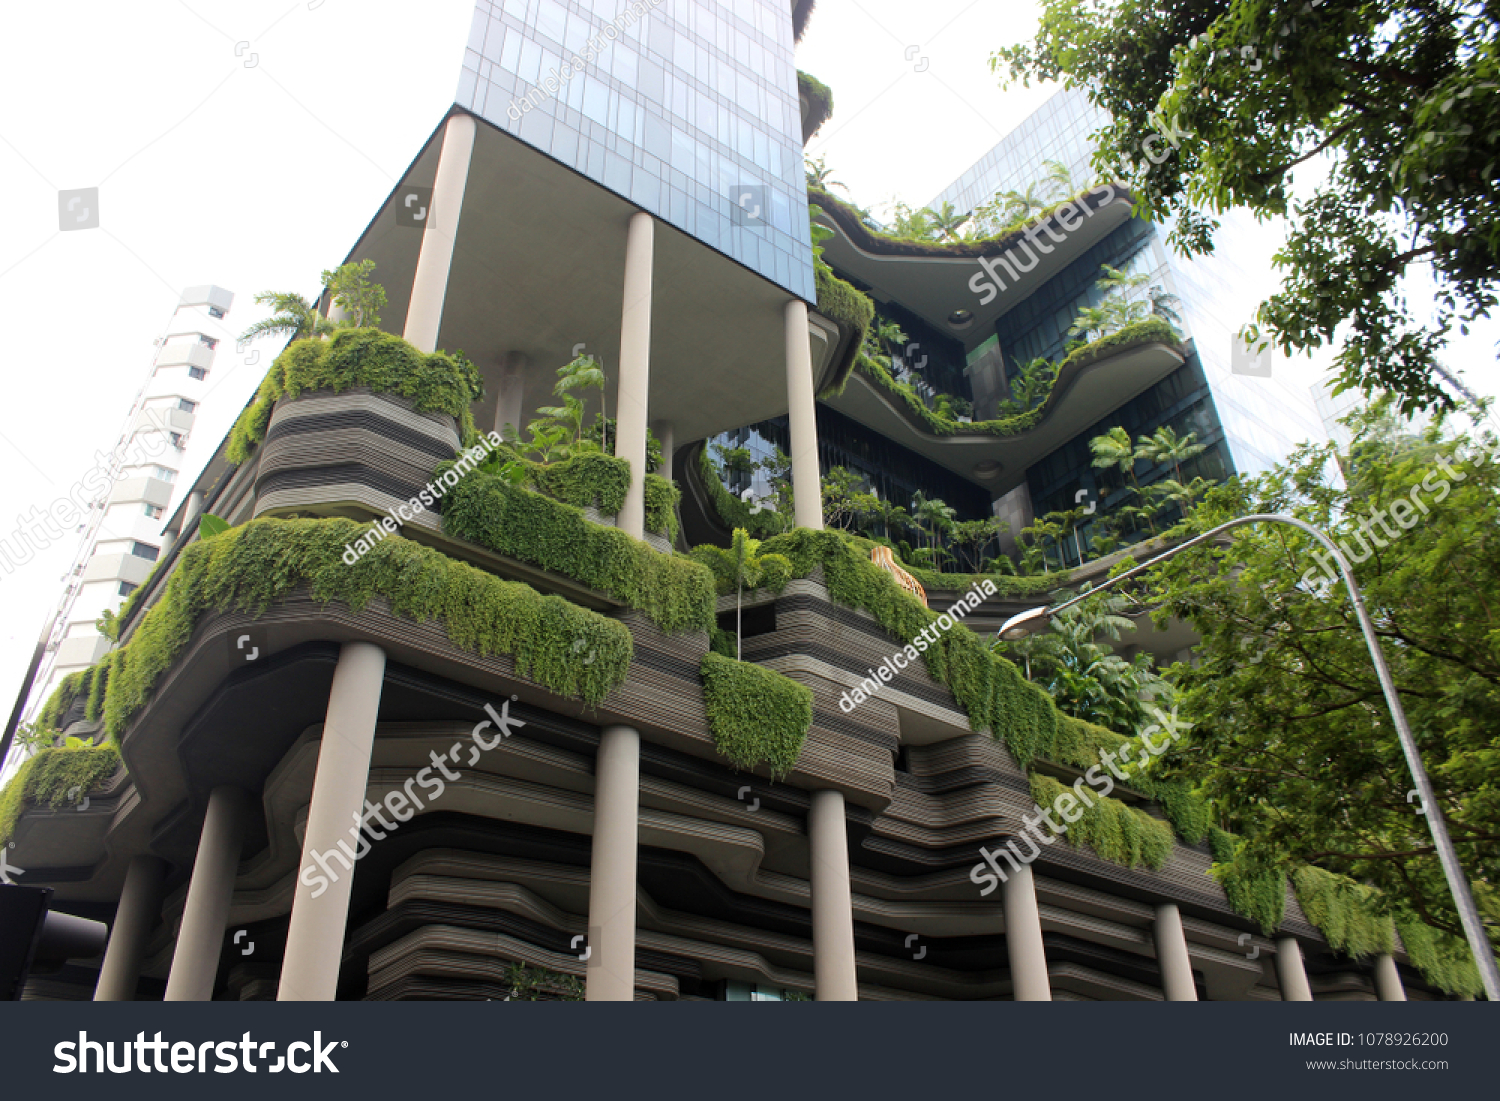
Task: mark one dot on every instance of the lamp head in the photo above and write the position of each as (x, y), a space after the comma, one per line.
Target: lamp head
(1023, 624)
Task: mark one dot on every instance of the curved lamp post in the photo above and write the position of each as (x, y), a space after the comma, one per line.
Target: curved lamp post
(1019, 626)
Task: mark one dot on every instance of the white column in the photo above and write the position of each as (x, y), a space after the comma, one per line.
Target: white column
(190, 513)
(1388, 986)
(325, 875)
(611, 943)
(429, 284)
(1023, 939)
(665, 437)
(835, 975)
(632, 396)
(510, 391)
(1290, 972)
(1172, 954)
(135, 917)
(807, 480)
(195, 962)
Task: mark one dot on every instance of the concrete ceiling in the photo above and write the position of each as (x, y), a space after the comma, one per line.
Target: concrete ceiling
(538, 268)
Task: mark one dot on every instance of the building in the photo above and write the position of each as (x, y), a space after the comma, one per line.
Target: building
(133, 488)
(360, 766)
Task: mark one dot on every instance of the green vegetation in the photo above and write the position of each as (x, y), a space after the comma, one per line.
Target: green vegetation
(1291, 742)
(1116, 832)
(248, 567)
(1254, 885)
(1396, 101)
(820, 99)
(1349, 914)
(296, 318)
(538, 984)
(676, 593)
(851, 310)
(742, 567)
(587, 479)
(757, 716)
(735, 513)
(54, 777)
(385, 364)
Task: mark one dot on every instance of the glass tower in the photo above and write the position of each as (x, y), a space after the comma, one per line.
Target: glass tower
(689, 110)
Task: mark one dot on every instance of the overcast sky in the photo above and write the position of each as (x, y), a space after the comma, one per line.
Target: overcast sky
(247, 143)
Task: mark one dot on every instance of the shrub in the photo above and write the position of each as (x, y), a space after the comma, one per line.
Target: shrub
(756, 715)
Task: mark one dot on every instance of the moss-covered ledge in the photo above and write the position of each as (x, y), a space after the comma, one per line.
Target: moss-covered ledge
(246, 568)
(852, 311)
(819, 100)
(54, 777)
(436, 382)
(675, 592)
(1153, 330)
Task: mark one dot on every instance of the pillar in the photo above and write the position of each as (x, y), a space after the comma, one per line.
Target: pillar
(325, 877)
(1172, 955)
(834, 972)
(1023, 939)
(617, 787)
(195, 963)
(168, 541)
(665, 437)
(1290, 972)
(632, 393)
(1388, 986)
(510, 392)
(807, 480)
(190, 513)
(135, 917)
(429, 285)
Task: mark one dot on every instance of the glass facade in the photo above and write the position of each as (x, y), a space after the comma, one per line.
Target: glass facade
(689, 110)
(1263, 419)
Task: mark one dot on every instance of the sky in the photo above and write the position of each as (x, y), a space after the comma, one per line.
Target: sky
(247, 144)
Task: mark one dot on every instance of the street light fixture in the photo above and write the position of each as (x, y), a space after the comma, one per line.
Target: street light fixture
(1028, 622)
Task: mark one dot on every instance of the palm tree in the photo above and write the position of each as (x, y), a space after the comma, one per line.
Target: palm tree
(1114, 449)
(948, 222)
(292, 316)
(584, 373)
(819, 174)
(1165, 446)
(1058, 180)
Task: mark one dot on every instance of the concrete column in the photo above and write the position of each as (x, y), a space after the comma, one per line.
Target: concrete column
(325, 875)
(1290, 972)
(135, 917)
(510, 391)
(632, 396)
(1023, 939)
(807, 480)
(617, 790)
(1172, 955)
(196, 960)
(190, 513)
(1388, 986)
(168, 541)
(665, 437)
(834, 973)
(429, 284)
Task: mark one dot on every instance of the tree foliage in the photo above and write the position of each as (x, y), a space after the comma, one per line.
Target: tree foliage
(1216, 103)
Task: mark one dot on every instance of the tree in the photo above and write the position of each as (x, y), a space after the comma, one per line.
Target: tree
(295, 318)
(1292, 740)
(1165, 446)
(948, 223)
(353, 293)
(1114, 449)
(934, 518)
(292, 316)
(742, 567)
(1084, 677)
(840, 487)
(1115, 311)
(1397, 103)
(971, 537)
(820, 176)
(1031, 386)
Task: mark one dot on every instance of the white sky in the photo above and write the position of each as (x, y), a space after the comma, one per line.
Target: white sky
(257, 178)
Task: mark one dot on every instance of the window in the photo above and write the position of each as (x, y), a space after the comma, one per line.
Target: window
(178, 441)
(210, 341)
(144, 550)
(214, 311)
(161, 473)
(197, 373)
(155, 511)
(127, 587)
(186, 406)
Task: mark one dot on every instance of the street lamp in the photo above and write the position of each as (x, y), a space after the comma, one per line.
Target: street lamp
(1027, 622)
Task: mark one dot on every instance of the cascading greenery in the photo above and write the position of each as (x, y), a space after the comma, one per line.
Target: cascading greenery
(436, 382)
(925, 419)
(1444, 959)
(248, 567)
(1255, 890)
(676, 593)
(53, 777)
(757, 716)
(849, 308)
(989, 688)
(734, 512)
(1116, 832)
(588, 479)
(1349, 914)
